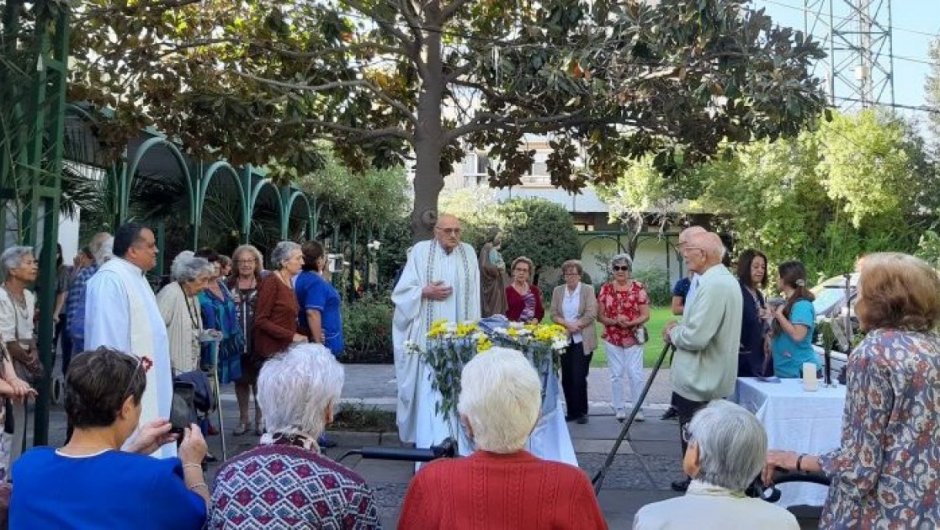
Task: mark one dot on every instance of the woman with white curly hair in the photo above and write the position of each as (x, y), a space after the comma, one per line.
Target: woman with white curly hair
(179, 308)
(286, 482)
(499, 404)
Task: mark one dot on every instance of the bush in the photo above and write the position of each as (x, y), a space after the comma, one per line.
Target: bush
(540, 230)
(657, 285)
(367, 330)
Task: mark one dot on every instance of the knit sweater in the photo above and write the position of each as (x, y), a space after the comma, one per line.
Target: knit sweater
(278, 486)
(489, 491)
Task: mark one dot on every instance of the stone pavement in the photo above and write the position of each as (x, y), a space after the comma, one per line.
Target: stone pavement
(642, 471)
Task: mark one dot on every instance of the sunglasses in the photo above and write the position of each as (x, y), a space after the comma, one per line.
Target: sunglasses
(620, 268)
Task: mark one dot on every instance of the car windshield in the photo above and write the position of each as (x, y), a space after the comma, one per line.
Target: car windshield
(827, 299)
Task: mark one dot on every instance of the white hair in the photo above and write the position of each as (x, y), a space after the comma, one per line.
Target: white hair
(732, 445)
(105, 251)
(296, 388)
(187, 267)
(500, 399)
(13, 258)
(282, 252)
(622, 258)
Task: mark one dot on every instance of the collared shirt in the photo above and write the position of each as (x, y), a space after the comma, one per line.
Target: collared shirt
(569, 309)
(75, 306)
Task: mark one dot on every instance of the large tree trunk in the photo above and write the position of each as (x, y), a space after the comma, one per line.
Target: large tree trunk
(429, 132)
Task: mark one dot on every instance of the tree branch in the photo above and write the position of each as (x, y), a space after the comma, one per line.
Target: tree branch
(450, 9)
(359, 133)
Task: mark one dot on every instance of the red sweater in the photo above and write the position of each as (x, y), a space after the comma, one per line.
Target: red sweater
(275, 317)
(515, 303)
(488, 491)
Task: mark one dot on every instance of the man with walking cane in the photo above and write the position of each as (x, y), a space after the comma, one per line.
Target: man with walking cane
(706, 357)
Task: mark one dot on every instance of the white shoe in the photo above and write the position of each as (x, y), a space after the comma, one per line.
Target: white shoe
(639, 416)
(621, 414)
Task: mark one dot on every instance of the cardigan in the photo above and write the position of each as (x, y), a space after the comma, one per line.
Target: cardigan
(587, 313)
(515, 303)
(490, 491)
(275, 317)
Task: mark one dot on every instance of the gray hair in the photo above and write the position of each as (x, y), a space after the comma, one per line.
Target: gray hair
(187, 267)
(13, 258)
(104, 251)
(500, 398)
(282, 252)
(732, 445)
(572, 264)
(296, 388)
(621, 258)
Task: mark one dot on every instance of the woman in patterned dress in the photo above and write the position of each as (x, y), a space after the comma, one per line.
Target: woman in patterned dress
(623, 307)
(247, 273)
(887, 472)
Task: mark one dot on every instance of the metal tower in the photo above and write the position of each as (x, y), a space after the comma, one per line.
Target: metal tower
(857, 36)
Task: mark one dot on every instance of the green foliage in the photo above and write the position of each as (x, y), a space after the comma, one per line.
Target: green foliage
(657, 285)
(478, 211)
(540, 230)
(928, 248)
(396, 240)
(367, 330)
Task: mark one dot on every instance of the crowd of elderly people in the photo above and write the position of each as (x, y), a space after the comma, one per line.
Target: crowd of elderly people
(281, 327)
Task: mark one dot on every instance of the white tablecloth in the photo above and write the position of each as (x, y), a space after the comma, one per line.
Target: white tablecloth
(796, 420)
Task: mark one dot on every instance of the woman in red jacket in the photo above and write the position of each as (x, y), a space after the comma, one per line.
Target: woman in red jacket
(275, 325)
(523, 299)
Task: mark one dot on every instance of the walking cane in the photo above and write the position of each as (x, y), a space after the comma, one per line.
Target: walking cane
(598, 479)
(214, 347)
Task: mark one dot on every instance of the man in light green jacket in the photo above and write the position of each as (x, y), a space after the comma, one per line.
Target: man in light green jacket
(706, 361)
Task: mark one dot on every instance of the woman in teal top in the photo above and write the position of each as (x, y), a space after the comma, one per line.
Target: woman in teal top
(794, 323)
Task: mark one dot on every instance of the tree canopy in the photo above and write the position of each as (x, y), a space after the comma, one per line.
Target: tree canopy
(257, 81)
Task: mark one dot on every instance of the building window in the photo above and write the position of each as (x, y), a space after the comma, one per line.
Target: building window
(475, 167)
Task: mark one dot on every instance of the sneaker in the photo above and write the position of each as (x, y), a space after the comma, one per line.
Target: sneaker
(639, 416)
(621, 414)
(670, 413)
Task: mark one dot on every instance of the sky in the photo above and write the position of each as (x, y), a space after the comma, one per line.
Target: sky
(915, 24)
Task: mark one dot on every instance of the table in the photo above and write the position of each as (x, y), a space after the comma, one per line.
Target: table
(796, 420)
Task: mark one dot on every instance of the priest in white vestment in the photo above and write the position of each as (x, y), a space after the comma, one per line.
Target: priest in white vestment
(441, 280)
(121, 313)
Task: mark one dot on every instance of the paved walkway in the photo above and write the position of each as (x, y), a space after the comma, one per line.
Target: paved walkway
(641, 473)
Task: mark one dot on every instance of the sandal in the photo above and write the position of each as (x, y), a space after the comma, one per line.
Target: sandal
(241, 429)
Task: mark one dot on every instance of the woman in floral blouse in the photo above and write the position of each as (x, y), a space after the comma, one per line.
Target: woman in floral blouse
(887, 472)
(623, 307)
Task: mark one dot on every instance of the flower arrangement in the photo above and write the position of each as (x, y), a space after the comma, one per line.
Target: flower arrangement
(451, 345)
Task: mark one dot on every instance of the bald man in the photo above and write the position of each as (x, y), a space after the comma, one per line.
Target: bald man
(684, 237)
(705, 364)
(441, 280)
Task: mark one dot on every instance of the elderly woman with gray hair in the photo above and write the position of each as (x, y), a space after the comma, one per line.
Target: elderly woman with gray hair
(286, 482)
(179, 307)
(18, 309)
(727, 449)
(499, 405)
(275, 325)
(623, 307)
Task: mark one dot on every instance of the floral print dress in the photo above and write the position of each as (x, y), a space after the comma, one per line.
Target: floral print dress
(887, 473)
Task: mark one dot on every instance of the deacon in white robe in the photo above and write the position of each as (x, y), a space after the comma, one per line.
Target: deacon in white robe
(441, 280)
(121, 312)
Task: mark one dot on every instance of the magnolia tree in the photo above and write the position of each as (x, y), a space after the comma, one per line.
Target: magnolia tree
(258, 81)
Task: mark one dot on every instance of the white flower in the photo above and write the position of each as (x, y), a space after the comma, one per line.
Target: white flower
(501, 331)
(517, 325)
(523, 332)
(451, 327)
(412, 346)
(560, 344)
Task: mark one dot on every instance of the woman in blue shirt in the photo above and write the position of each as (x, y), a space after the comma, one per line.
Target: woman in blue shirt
(794, 323)
(90, 483)
(320, 317)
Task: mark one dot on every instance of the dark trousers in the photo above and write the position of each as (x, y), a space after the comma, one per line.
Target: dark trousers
(685, 409)
(574, 373)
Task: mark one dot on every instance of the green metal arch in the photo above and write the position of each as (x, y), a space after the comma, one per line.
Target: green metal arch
(132, 169)
(207, 179)
(289, 205)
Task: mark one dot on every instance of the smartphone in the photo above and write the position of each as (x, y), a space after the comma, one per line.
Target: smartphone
(182, 411)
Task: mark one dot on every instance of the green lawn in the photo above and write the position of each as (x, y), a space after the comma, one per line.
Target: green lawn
(658, 318)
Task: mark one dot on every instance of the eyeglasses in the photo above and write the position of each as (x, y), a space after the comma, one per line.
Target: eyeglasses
(246, 261)
(449, 231)
(620, 268)
(130, 381)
